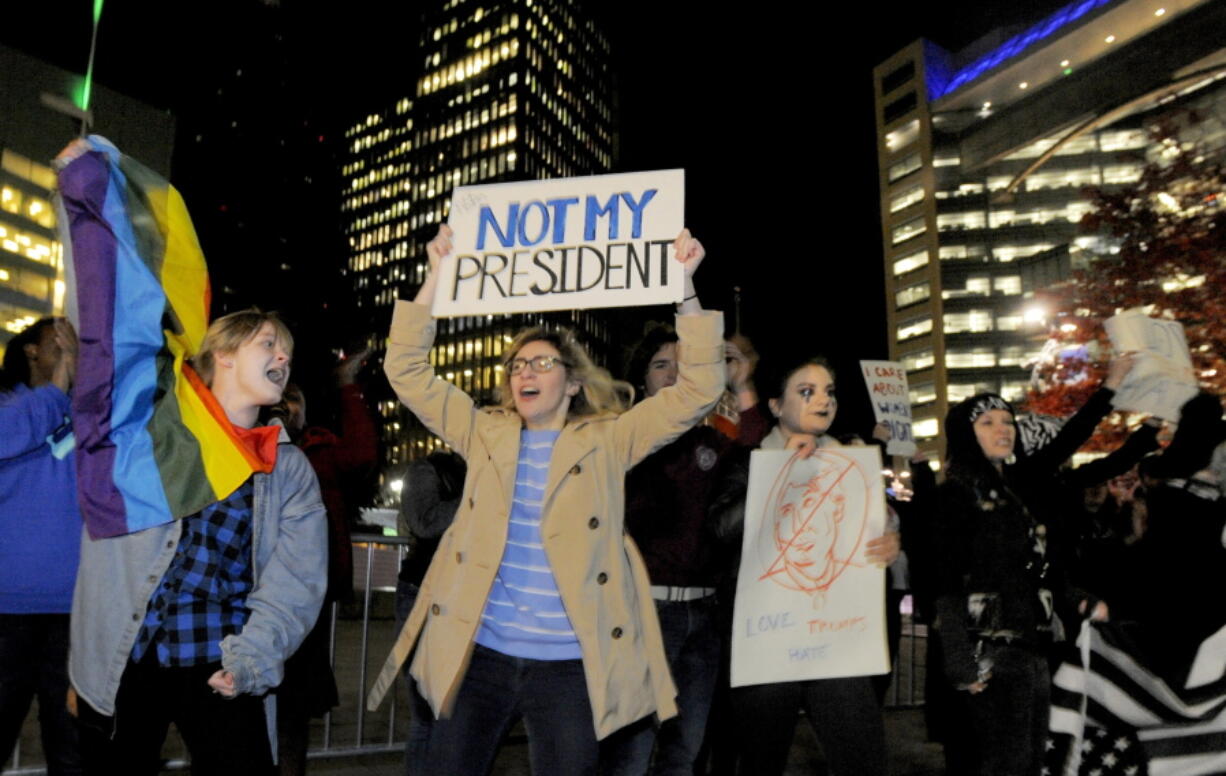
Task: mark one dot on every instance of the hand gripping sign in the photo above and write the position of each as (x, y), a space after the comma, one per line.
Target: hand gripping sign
(563, 244)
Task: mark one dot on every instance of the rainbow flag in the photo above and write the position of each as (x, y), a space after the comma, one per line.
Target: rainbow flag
(153, 444)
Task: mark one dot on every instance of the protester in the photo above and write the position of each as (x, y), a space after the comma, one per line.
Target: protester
(667, 502)
(191, 621)
(535, 604)
(429, 500)
(844, 712)
(40, 538)
(1175, 572)
(999, 587)
(309, 687)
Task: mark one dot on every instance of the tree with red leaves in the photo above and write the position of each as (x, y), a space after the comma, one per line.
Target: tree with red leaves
(1167, 238)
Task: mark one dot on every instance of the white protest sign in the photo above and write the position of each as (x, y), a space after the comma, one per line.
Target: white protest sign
(563, 244)
(1162, 378)
(808, 605)
(887, 390)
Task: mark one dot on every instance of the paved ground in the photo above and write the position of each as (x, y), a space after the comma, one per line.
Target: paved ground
(348, 730)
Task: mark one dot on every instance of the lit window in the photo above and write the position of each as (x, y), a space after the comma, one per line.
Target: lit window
(910, 262)
(956, 392)
(915, 327)
(906, 198)
(917, 360)
(1008, 322)
(1009, 285)
(1007, 253)
(927, 428)
(912, 294)
(903, 136)
(969, 321)
(973, 286)
(973, 219)
(946, 160)
(1014, 390)
(904, 167)
(907, 230)
(969, 358)
(922, 393)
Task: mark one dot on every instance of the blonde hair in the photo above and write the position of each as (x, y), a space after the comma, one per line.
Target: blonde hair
(229, 332)
(598, 392)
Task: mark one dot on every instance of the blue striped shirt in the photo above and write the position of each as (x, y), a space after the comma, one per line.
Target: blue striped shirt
(524, 615)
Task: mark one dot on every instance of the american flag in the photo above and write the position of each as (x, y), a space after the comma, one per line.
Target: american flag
(1113, 717)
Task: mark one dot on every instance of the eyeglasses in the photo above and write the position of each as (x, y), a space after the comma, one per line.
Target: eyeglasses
(540, 364)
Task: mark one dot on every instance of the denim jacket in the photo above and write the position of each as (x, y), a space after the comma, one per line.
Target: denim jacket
(290, 553)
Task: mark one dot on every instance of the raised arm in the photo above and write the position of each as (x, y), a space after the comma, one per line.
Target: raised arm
(1078, 429)
(440, 405)
(658, 420)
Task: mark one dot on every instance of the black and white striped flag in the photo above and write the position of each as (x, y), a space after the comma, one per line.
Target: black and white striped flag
(1109, 706)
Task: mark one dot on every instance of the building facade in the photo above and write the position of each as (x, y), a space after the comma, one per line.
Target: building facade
(982, 155)
(506, 90)
(31, 133)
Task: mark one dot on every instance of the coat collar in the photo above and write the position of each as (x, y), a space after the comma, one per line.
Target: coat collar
(501, 441)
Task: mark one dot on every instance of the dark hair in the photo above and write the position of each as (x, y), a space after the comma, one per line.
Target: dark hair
(963, 452)
(644, 351)
(777, 379)
(16, 364)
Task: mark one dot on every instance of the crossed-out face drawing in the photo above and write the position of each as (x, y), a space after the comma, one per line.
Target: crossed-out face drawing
(814, 524)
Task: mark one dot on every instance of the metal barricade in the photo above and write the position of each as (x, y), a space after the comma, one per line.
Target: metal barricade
(906, 688)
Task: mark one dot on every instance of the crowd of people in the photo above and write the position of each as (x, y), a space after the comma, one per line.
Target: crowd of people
(573, 561)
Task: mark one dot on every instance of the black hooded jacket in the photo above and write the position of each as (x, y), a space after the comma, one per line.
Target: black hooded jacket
(992, 529)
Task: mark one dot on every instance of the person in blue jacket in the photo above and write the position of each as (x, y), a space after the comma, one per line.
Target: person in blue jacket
(40, 530)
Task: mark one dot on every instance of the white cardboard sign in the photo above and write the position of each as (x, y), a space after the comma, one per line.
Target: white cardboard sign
(887, 390)
(808, 605)
(563, 244)
(1162, 378)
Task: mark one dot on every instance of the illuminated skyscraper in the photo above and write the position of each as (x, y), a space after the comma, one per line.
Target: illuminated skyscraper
(507, 90)
(31, 265)
(982, 154)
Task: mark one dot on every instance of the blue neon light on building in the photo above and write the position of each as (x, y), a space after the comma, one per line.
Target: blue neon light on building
(938, 87)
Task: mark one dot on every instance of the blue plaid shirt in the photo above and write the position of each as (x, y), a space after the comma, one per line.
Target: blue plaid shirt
(203, 595)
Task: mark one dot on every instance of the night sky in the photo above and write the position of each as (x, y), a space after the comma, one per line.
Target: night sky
(770, 113)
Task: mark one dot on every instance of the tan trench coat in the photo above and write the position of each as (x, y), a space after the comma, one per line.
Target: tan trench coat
(600, 575)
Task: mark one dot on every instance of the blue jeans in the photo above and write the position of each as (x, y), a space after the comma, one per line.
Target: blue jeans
(34, 661)
(692, 644)
(551, 697)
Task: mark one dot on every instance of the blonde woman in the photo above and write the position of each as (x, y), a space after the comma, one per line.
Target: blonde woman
(536, 605)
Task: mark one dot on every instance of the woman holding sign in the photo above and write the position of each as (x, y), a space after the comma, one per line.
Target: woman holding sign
(844, 713)
(998, 590)
(536, 605)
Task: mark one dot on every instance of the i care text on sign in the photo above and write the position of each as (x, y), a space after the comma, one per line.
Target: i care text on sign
(887, 390)
(563, 244)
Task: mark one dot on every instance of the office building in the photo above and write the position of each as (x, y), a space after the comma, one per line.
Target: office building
(982, 157)
(31, 133)
(506, 90)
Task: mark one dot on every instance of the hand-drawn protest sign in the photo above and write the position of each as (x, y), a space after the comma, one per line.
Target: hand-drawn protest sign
(1162, 378)
(887, 390)
(808, 606)
(563, 244)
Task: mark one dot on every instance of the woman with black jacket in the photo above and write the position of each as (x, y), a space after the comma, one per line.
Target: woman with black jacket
(997, 588)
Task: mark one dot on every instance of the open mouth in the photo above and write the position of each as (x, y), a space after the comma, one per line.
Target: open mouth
(276, 376)
(529, 391)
